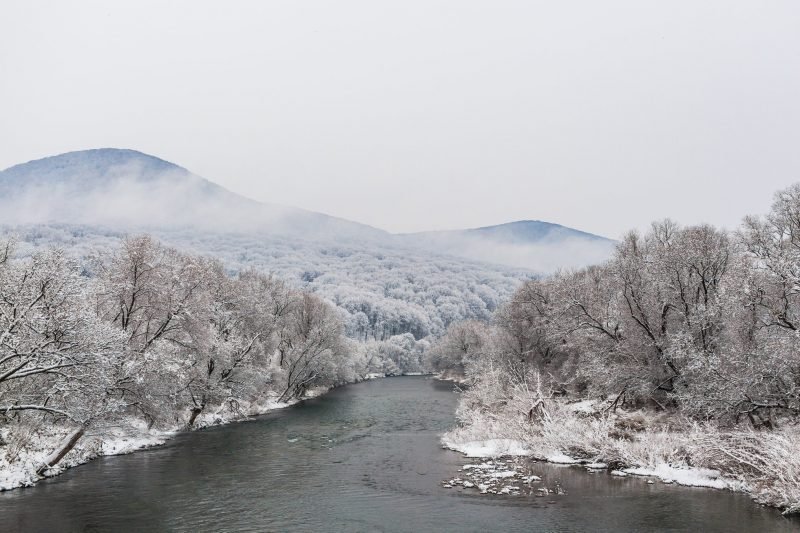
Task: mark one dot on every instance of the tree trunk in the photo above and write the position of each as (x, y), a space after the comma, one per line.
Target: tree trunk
(195, 412)
(69, 443)
(282, 397)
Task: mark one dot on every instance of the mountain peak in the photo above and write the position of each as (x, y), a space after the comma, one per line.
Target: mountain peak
(90, 166)
(533, 231)
(129, 189)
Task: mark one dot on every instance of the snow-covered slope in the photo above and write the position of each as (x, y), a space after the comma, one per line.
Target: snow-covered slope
(126, 190)
(526, 244)
(529, 231)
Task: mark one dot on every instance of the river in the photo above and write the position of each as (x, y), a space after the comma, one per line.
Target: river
(365, 457)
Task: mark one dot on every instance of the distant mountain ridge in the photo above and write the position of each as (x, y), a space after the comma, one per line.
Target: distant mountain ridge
(520, 231)
(520, 244)
(131, 190)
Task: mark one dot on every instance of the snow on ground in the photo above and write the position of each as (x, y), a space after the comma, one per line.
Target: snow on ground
(583, 406)
(502, 477)
(504, 473)
(24, 454)
(561, 459)
(124, 437)
(16, 475)
(134, 436)
(681, 475)
(690, 477)
(484, 466)
(225, 414)
(488, 448)
(315, 392)
(270, 405)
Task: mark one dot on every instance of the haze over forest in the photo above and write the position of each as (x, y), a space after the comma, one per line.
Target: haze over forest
(125, 189)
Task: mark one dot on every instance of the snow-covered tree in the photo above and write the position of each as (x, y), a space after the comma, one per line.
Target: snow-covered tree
(54, 351)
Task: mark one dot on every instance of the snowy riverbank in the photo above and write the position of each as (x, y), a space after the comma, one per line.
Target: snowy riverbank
(587, 435)
(28, 448)
(494, 449)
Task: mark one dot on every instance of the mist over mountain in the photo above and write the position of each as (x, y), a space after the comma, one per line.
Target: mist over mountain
(131, 191)
(528, 231)
(542, 246)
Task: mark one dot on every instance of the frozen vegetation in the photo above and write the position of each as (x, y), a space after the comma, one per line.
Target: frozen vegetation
(678, 359)
(142, 341)
(380, 291)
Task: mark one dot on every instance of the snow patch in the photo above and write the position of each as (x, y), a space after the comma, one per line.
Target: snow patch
(584, 406)
(489, 447)
(315, 392)
(504, 473)
(690, 477)
(561, 459)
(484, 466)
(128, 436)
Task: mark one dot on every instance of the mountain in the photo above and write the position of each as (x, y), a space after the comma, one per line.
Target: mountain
(88, 169)
(529, 231)
(129, 189)
(519, 232)
(126, 190)
(521, 244)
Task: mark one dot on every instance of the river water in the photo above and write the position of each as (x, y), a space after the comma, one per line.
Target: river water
(364, 457)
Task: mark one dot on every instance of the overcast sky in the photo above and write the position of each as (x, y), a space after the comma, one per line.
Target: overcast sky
(415, 115)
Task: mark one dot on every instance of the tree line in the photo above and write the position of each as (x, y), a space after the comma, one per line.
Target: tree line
(151, 332)
(381, 290)
(695, 319)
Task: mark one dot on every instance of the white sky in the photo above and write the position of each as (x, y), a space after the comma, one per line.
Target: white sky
(413, 115)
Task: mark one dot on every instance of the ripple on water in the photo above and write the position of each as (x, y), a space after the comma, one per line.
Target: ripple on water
(365, 457)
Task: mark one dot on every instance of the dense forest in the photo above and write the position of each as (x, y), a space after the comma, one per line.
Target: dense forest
(683, 349)
(381, 291)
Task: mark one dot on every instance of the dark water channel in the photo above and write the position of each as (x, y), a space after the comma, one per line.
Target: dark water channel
(363, 458)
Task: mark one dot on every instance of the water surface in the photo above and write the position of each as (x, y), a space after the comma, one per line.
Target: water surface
(365, 457)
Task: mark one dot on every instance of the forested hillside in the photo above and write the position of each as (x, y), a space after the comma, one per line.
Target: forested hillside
(379, 291)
